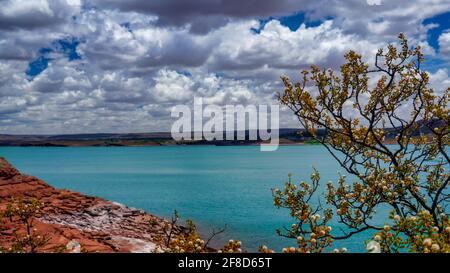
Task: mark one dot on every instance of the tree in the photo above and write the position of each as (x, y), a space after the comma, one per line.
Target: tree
(391, 136)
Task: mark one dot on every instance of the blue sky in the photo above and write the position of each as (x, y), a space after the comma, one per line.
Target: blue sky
(74, 66)
(66, 47)
(292, 21)
(442, 22)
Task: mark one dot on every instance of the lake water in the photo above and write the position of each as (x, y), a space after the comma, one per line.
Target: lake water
(212, 185)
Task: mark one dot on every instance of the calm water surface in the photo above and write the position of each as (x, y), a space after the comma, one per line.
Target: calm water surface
(211, 185)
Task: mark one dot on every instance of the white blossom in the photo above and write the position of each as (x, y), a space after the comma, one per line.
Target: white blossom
(373, 247)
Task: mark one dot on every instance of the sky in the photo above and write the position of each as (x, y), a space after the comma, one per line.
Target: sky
(73, 66)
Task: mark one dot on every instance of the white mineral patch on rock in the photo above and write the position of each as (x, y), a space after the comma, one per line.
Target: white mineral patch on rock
(136, 245)
(73, 246)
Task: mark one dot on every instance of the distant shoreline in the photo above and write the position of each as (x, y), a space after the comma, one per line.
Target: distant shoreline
(149, 144)
(286, 137)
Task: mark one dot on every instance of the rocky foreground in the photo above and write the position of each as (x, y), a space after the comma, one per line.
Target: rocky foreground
(76, 222)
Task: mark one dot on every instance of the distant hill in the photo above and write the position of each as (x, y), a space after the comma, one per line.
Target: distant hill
(287, 136)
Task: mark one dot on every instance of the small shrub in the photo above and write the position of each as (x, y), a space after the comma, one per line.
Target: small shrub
(25, 212)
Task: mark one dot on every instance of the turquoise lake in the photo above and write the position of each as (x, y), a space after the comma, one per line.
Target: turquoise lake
(211, 185)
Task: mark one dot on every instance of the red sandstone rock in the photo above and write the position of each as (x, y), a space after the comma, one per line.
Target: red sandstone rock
(96, 224)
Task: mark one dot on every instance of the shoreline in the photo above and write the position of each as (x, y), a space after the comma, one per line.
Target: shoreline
(71, 218)
(175, 145)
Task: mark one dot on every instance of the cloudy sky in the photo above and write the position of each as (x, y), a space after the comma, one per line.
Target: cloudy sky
(73, 66)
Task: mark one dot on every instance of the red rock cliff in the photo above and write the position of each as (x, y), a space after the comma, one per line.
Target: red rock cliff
(89, 223)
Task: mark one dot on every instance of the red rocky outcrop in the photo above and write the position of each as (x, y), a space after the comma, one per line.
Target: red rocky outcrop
(76, 221)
